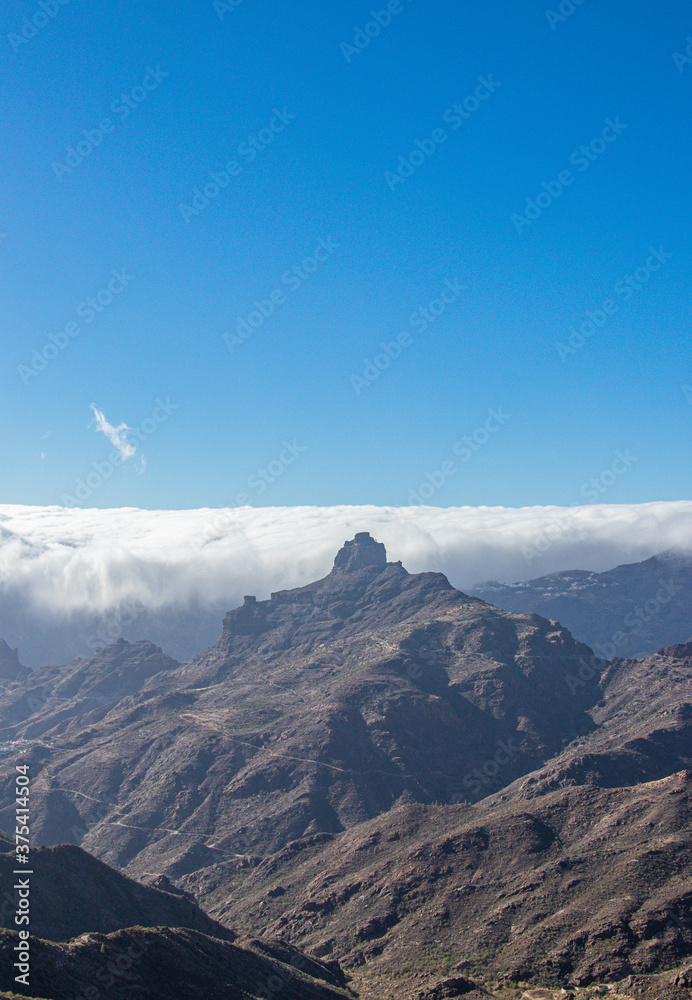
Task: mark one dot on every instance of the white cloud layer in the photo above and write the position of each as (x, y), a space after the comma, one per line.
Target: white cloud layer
(62, 560)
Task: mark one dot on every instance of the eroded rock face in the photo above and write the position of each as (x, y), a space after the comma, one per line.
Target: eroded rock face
(314, 711)
(10, 667)
(310, 777)
(360, 552)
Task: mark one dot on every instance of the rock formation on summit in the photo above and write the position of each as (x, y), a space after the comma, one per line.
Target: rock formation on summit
(360, 552)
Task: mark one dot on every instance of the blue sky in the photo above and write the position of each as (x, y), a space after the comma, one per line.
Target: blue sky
(363, 201)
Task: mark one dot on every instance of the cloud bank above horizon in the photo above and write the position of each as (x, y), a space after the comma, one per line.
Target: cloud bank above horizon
(68, 561)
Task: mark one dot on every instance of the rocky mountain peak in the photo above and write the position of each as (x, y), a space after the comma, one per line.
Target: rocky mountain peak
(10, 667)
(359, 552)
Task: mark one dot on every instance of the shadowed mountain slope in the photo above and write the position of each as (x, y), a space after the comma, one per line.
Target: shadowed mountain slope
(161, 963)
(72, 892)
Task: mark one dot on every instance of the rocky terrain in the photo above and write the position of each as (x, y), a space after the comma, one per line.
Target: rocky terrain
(316, 710)
(631, 610)
(72, 892)
(376, 769)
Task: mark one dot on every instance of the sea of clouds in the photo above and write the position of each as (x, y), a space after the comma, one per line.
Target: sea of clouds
(61, 561)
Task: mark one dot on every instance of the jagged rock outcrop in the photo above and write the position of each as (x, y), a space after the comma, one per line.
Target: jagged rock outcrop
(10, 667)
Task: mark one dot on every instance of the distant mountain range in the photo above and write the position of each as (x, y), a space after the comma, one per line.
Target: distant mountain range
(376, 769)
(627, 611)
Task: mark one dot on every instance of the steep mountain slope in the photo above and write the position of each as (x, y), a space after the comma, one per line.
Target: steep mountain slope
(10, 667)
(580, 884)
(627, 611)
(163, 963)
(87, 940)
(578, 871)
(72, 892)
(314, 711)
(643, 728)
(41, 700)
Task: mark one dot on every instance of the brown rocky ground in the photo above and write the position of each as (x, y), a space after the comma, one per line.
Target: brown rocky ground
(448, 798)
(315, 711)
(162, 963)
(579, 885)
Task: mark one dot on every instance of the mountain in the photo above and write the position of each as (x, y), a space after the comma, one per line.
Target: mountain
(577, 872)
(47, 637)
(164, 963)
(72, 892)
(631, 610)
(578, 886)
(92, 925)
(316, 710)
(51, 695)
(447, 798)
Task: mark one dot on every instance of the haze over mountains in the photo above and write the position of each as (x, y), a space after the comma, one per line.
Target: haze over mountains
(73, 580)
(381, 770)
(630, 610)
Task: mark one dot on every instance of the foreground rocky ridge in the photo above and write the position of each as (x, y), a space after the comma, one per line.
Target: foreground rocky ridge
(161, 963)
(88, 940)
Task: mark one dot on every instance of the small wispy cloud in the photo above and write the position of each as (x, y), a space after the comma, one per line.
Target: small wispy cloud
(116, 435)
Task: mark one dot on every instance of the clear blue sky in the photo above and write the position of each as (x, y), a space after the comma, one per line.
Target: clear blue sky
(339, 121)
